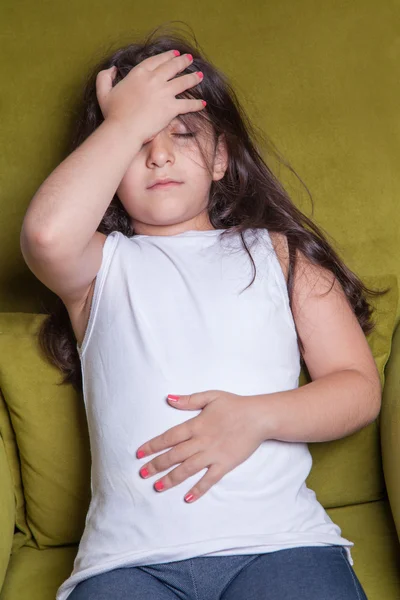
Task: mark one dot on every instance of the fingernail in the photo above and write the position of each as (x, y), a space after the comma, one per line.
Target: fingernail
(140, 454)
(144, 472)
(189, 497)
(159, 486)
(173, 398)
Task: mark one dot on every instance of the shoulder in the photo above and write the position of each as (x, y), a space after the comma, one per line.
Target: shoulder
(311, 284)
(280, 244)
(325, 320)
(307, 276)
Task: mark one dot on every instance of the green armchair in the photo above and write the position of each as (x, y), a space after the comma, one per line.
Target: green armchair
(45, 465)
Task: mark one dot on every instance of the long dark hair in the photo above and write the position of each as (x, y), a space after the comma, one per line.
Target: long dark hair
(249, 194)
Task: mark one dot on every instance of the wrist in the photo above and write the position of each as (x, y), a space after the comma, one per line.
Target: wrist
(265, 412)
(128, 132)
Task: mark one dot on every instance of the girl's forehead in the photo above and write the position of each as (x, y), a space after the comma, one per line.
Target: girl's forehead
(192, 120)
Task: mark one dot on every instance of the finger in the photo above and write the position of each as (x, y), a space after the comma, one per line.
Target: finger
(172, 457)
(190, 105)
(189, 467)
(104, 82)
(171, 437)
(170, 69)
(213, 475)
(183, 83)
(153, 62)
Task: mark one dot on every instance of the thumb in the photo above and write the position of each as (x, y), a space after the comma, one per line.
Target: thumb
(104, 81)
(190, 401)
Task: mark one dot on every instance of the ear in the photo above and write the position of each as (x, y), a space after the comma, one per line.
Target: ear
(221, 158)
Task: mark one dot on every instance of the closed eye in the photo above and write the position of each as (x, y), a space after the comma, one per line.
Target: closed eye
(178, 134)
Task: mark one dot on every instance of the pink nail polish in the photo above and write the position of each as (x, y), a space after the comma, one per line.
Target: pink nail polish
(173, 398)
(140, 454)
(189, 498)
(159, 486)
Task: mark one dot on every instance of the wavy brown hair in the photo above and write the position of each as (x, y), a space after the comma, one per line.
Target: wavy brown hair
(249, 194)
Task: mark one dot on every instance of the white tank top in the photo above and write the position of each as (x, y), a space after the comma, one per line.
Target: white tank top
(171, 315)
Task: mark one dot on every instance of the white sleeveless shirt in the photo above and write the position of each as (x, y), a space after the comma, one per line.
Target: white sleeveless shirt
(171, 315)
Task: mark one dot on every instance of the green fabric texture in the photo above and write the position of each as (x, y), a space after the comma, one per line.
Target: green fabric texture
(36, 574)
(376, 549)
(12, 455)
(7, 512)
(51, 432)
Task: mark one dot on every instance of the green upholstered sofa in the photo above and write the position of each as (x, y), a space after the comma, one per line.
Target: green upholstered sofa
(45, 465)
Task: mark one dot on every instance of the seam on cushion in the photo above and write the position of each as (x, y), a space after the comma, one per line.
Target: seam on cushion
(23, 528)
(6, 549)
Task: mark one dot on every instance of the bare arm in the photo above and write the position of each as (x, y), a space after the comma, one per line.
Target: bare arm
(345, 392)
(59, 238)
(75, 196)
(78, 192)
(328, 408)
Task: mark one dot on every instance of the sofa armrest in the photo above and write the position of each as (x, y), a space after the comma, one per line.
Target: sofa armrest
(7, 512)
(390, 428)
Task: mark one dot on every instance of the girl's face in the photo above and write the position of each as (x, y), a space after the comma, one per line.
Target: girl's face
(177, 208)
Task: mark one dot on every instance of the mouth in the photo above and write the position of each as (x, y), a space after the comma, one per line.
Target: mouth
(160, 186)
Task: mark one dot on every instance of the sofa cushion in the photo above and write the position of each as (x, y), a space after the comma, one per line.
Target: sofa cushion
(12, 464)
(37, 574)
(7, 512)
(51, 431)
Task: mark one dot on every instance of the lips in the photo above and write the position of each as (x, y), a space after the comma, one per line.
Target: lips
(164, 185)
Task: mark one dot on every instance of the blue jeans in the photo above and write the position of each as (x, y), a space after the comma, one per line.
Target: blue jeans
(303, 573)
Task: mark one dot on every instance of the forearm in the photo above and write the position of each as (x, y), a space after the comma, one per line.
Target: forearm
(75, 196)
(326, 409)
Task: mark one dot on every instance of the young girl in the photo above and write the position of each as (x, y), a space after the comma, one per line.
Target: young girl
(193, 305)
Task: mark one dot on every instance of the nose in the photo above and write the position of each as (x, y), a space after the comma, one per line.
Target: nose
(160, 150)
